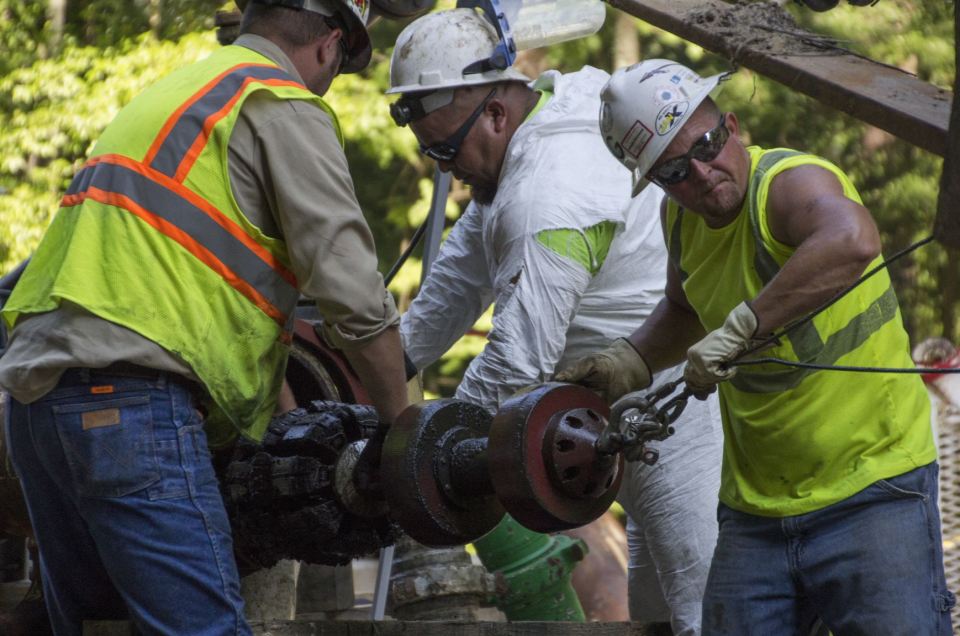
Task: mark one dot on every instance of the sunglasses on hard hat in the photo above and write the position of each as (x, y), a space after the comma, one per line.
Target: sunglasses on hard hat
(449, 149)
(705, 150)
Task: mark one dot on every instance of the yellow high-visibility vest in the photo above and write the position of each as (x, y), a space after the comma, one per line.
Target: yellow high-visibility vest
(797, 440)
(150, 237)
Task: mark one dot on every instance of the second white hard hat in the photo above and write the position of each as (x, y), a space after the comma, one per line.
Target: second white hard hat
(433, 51)
(644, 106)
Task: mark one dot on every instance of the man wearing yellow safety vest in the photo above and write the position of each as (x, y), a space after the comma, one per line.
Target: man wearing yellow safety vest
(156, 316)
(828, 495)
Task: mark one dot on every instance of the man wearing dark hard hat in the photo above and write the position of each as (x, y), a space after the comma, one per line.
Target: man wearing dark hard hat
(154, 321)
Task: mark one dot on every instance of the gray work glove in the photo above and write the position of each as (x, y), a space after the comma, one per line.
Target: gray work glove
(703, 372)
(612, 373)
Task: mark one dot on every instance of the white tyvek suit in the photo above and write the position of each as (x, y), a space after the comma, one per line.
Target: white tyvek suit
(549, 311)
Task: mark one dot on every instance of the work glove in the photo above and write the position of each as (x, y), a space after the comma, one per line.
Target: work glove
(612, 373)
(703, 372)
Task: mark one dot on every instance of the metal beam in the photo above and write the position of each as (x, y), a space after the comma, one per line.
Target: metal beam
(947, 226)
(902, 105)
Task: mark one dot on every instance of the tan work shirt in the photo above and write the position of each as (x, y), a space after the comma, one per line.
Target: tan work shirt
(290, 178)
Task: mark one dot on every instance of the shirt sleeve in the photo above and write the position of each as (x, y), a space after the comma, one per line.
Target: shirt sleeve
(539, 294)
(310, 193)
(453, 297)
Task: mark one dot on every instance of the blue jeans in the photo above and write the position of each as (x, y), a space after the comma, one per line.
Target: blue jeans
(125, 507)
(871, 565)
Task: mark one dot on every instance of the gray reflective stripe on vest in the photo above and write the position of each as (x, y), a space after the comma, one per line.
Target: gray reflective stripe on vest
(806, 340)
(194, 222)
(190, 123)
(675, 248)
(855, 333)
(807, 343)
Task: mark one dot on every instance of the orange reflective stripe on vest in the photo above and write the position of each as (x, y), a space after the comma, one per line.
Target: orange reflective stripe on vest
(188, 219)
(185, 134)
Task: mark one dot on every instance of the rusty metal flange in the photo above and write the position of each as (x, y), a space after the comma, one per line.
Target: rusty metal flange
(420, 496)
(533, 477)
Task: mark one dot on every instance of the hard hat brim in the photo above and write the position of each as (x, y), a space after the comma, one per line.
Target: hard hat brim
(359, 47)
(506, 75)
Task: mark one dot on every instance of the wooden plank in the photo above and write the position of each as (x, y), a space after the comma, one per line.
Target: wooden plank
(409, 628)
(904, 106)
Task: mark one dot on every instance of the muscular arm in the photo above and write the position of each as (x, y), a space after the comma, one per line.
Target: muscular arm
(835, 237)
(673, 327)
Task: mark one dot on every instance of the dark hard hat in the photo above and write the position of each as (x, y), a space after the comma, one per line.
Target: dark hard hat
(353, 12)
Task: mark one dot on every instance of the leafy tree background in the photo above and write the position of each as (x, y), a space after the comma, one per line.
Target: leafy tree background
(67, 67)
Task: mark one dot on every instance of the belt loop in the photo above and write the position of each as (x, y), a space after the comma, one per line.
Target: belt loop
(162, 380)
(85, 375)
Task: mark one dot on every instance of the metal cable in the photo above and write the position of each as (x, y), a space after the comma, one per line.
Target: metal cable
(738, 362)
(831, 367)
(407, 252)
(802, 321)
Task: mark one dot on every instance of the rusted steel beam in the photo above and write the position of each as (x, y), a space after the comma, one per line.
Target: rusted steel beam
(947, 226)
(902, 105)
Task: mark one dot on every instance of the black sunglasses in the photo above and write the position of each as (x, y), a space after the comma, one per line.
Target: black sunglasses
(448, 150)
(705, 149)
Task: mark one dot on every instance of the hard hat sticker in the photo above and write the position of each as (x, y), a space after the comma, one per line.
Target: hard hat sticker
(670, 116)
(606, 118)
(664, 95)
(636, 139)
(614, 147)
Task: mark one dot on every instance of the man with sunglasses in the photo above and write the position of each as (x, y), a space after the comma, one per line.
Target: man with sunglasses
(554, 242)
(154, 320)
(828, 499)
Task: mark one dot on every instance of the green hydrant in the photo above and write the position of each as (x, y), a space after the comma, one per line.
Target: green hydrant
(537, 569)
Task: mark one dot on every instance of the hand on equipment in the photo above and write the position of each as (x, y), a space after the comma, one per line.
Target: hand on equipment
(703, 371)
(612, 373)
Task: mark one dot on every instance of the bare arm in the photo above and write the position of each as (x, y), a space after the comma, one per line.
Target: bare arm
(673, 326)
(379, 365)
(835, 237)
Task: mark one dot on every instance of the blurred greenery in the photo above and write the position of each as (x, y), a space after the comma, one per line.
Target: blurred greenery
(67, 67)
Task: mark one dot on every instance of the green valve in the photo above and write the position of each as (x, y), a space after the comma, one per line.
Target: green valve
(537, 568)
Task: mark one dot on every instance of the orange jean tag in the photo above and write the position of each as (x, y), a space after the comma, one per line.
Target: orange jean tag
(102, 389)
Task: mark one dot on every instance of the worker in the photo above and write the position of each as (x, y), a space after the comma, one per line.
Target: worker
(554, 241)
(828, 496)
(154, 320)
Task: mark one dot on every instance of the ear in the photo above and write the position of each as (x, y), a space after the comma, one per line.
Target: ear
(327, 47)
(733, 125)
(498, 113)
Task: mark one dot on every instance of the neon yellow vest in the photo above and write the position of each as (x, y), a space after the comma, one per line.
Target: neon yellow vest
(797, 440)
(150, 237)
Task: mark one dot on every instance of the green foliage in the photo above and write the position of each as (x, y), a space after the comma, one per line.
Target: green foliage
(48, 127)
(55, 99)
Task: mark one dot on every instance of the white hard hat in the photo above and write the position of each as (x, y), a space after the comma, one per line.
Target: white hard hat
(644, 106)
(433, 51)
(353, 12)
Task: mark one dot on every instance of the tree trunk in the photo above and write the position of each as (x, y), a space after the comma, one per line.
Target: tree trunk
(156, 17)
(626, 41)
(57, 17)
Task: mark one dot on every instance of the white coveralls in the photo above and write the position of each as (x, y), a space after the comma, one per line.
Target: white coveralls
(549, 311)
